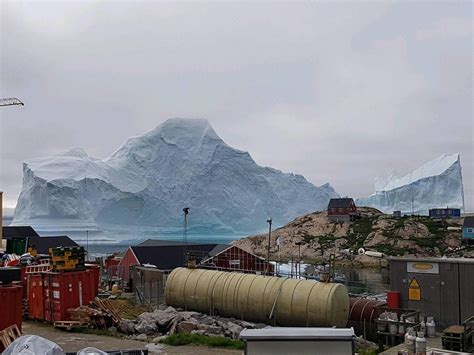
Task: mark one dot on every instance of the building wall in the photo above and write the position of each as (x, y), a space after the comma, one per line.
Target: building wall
(445, 213)
(127, 261)
(468, 232)
(237, 259)
(446, 290)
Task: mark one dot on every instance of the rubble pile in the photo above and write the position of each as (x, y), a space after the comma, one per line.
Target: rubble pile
(172, 320)
(100, 314)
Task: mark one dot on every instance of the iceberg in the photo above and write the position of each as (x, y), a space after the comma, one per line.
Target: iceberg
(151, 177)
(436, 184)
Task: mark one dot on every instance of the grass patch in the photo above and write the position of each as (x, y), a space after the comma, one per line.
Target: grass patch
(216, 342)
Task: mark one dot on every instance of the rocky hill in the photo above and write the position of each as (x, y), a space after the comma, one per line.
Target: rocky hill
(375, 231)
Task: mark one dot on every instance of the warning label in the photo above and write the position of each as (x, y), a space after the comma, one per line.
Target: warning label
(414, 291)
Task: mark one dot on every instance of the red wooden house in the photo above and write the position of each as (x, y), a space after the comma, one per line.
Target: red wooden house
(167, 256)
(341, 209)
(233, 258)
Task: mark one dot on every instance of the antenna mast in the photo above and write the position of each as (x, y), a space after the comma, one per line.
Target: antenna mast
(185, 233)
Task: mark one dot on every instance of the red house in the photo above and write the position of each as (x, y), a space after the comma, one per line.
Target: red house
(167, 256)
(234, 258)
(341, 209)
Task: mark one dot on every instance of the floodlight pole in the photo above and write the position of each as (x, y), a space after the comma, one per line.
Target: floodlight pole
(269, 221)
(185, 233)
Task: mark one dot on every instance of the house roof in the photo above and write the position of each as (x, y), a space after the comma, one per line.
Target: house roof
(19, 232)
(468, 222)
(159, 242)
(167, 257)
(43, 244)
(344, 202)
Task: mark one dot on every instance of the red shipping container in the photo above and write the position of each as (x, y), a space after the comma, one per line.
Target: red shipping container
(95, 269)
(10, 306)
(65, 290)
(24, 282)
(36, 293)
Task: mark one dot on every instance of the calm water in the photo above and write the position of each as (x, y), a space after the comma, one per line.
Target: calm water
(358, 281)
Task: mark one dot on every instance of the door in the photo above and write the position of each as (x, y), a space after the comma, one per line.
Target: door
(425, 293)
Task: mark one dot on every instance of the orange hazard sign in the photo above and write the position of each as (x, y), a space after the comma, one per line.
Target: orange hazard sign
(414, 291)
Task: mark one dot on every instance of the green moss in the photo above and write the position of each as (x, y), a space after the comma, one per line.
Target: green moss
(359, 231)
(217, 342)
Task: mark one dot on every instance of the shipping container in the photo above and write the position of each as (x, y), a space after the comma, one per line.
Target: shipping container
(10, 306)
(51, 294)
(36, 293)
(95, 269)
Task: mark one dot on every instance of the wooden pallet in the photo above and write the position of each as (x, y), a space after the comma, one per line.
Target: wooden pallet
(69, 324)
(9, 334)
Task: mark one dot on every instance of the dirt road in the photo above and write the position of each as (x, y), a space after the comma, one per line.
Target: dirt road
(76, 341)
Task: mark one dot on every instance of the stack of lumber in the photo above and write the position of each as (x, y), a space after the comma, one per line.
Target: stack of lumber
(99, 313)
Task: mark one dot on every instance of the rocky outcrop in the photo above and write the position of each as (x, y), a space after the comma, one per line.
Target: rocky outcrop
(417, 235)
(168, 321)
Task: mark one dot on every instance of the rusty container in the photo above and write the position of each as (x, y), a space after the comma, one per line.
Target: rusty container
(36, 295)
(10, 306)
(362, 315)
(95, 269)
(65, 290)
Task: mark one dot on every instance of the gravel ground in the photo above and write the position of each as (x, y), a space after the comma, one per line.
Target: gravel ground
(76, 341)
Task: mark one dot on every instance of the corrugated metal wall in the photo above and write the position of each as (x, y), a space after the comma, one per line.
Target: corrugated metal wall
(447, 293)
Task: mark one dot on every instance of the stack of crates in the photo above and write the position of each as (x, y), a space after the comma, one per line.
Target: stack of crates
(67, 258)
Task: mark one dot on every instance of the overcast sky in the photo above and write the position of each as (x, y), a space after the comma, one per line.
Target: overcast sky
(339, 92)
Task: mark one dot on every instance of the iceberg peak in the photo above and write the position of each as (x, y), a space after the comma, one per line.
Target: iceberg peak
(149, 179)
(436, 184)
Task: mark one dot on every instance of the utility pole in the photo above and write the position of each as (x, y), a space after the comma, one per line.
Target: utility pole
(87, 244)
(185, 233)
(269, 221)
(299, 258)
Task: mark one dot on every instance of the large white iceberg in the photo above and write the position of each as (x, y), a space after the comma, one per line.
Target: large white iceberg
(151, 177)
(436, 184)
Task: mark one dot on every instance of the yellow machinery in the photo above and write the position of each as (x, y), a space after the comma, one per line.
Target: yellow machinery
(67, 258)
(267, 299)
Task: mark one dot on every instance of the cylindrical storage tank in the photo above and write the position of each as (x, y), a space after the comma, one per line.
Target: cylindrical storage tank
(362, 315)
(266, 299)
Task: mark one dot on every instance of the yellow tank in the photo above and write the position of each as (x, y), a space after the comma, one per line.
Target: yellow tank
(266, 299)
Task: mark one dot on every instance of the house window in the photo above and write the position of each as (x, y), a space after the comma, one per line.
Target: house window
(469, 230)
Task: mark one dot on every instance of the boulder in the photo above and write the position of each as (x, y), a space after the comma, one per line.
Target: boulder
(210, 329)
(141, 337)
(146, 328)
(164, 318)
(186, 326)
(233, 330)
(127, 326)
